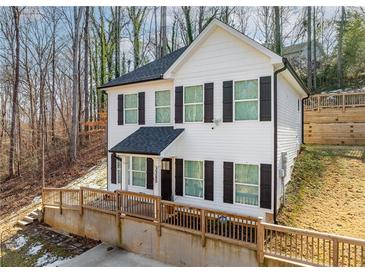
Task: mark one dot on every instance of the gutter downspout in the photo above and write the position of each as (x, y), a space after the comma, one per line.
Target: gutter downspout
(276, 135)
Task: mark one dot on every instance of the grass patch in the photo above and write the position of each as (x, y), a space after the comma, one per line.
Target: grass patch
(21, 257)
(307, 180)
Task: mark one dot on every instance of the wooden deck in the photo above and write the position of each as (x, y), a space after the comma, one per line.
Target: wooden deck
(292, 244)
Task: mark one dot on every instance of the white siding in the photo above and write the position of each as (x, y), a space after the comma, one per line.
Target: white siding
(219, 58)
(289, 129)
(223, 57)
(117, 133)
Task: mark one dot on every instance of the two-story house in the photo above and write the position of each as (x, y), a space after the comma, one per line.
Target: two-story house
(216, 124)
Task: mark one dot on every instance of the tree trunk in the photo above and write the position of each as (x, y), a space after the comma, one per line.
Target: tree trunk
(15, 107)
(75, 88)
(86, 67)
(163, 35)
(53, 77)
(309, 48)
(277, 31)
(314, 50)
(340, 83)
(117, 42)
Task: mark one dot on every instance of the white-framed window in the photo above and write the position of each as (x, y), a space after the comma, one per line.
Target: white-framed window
(246, 184)
(194, 178)
(194, 103)
(131, 108)
(138, 170)
(162, 107)
(246, 106)
(119, 171)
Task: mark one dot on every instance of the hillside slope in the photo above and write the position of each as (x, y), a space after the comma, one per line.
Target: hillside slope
(327, 191)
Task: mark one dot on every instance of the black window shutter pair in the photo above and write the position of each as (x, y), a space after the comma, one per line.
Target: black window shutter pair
(113, 171)
(265, 99)
(141, 109)
(208, 103)
(265, 184)
(208, 179)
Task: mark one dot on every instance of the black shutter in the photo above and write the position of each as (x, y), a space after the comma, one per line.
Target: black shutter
(208, 102)
(149, 173)
(228, 182)
(179, 98)
(265, 186)
(209, 180)
(179, 173)
(265, 98)
(227, 101)
(113, 170)
(120, 109)
(141, 107)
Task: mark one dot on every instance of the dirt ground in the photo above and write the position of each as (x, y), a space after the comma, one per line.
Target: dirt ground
(38, 245)
(327, 191)
(94, 176)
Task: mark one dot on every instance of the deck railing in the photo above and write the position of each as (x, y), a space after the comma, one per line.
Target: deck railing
(269, 240)
(313, 248)
(138, 205)
(335, 100)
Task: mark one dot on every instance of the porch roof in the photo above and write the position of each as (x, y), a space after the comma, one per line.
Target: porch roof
(147, 140)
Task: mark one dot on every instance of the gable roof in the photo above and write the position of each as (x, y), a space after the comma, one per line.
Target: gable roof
(275, 58)
(149, 72)
(148, 140)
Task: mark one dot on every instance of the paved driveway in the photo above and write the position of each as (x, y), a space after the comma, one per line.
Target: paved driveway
(106, 255)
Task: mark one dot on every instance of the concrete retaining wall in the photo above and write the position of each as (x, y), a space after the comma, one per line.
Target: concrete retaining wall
(172, 247)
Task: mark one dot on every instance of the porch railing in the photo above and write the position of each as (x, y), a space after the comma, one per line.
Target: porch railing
(269, 240)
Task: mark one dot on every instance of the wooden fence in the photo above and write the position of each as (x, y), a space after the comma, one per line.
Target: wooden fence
(341, 100)
(280, 242)
(337, 119)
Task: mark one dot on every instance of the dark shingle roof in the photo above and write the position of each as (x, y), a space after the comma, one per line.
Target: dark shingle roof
(151, 71)
(148, 140)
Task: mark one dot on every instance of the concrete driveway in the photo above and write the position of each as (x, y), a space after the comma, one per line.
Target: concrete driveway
(106, 255)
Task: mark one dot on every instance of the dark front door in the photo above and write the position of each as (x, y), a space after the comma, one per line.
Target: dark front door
(166, 176)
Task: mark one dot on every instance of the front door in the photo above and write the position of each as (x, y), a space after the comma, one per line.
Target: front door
(166, 179)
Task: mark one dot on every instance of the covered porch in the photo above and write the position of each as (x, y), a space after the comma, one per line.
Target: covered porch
(144, 162)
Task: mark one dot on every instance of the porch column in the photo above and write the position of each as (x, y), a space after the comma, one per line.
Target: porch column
(157, 176)
(124, 185)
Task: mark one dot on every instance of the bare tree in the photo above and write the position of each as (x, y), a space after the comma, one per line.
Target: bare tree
(163, 33)
(277, 30)
(309, 48)
(339, 50)
(16, 17)
(137, 17)
(77, 12)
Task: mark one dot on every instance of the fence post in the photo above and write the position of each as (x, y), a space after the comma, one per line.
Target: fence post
(158, 209)
(81, 201)
(202, 224)
(260, 240)
(335, 252)
(60, 201)
(117, 204)
(319, 101)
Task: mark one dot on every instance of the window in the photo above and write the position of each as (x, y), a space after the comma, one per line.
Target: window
(131, 108)
(162, 104)
(193, 104)
(246, 100)
(119, 171)
(139, 171)
(246, 183)
(193, 178)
